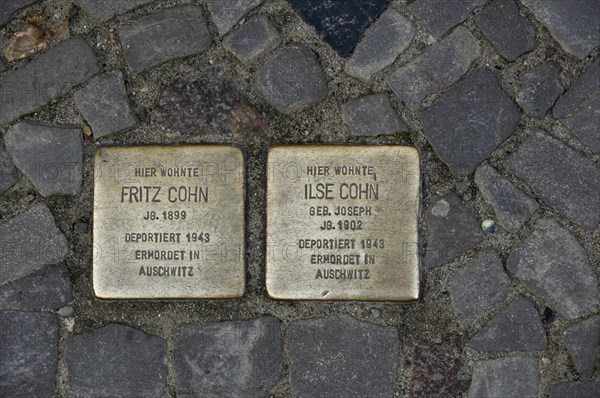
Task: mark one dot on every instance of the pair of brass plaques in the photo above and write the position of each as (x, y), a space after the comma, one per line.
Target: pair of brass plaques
(342, 222)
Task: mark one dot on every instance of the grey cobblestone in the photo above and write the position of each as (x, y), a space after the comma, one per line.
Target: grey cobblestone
(49, 287)
(292, 80)
(539, 89)
(584, 122)
(28, 242)
(241, 359)
(579, 92)
(29, 354)
(562, 177)
(339, 356)
(50, 156)
(116, 361)
(9, 7)
(48, 76)
(440, 17)
(582, 340)
(574, 24)
(254, 39)
(104, 104)
(469, 121)
(512, 206)
(170, 33)
(225, 14)
(575, 389)
(579, 108)
(452, 230)
(515, 377)
(382, 43)
(8, 172)
(516, 328)
(570, 287)
(101, 12)
(510, 33)
(372, 115)
(438, 68)
(479, 286)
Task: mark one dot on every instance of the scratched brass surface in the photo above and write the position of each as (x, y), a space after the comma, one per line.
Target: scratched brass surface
(168, 222)
(369, 249)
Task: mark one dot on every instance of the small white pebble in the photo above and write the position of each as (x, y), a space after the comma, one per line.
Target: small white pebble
(489, 226)
(69, 324)
(441, 208)
(546, 361)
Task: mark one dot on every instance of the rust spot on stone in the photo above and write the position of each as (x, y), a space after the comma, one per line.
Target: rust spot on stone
(209, 102)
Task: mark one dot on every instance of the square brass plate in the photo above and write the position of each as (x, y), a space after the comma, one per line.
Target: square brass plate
(169, 222)
(342, 223)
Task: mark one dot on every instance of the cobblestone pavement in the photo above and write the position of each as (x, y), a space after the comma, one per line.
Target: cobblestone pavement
(501, 97)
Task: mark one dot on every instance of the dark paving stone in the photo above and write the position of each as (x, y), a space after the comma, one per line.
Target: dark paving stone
(440, 17)
(101, 12)
(383, 42)
(505, 377)
(436, 368)
(548, 316)
(584, 88)
(170, 33)
(439, 68)
(469, 121)
(582, 340)
(372, 115)
(81, 228)
(576, 389)
(254, 39)
(516, 328)
(570, 287)
(339, 356)
(512, 206)
(479, 286)
(562, 177)
(292, 80)
(103, 103)
(29, 241)
(9, 7)
(341, 23)
(225, 14)
(228, 359)
(574, 24)
(209, 101)
(49, 287)
(584, 122)
(2, 67)
(28, 354)
(50, 75)
(8, 172)
(50, 156)
(116, 361)
(452, 230)
(510, 33)
(539, 89)
(580, 107)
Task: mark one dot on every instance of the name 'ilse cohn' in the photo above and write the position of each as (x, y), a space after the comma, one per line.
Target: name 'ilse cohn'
(342, 191)
(157, 194)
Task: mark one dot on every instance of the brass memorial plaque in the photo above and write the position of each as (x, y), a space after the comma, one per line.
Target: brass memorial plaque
(342, 223)
(169, 222)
